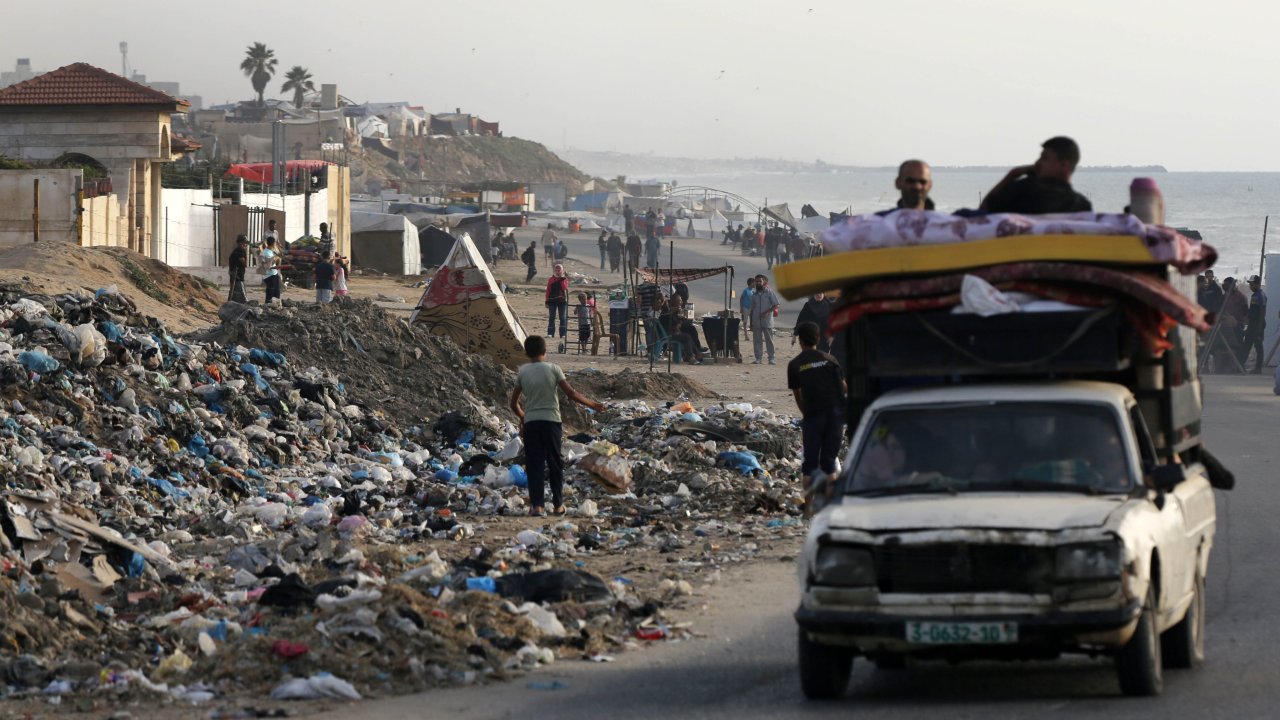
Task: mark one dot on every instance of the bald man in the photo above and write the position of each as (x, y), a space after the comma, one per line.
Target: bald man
(914, 181)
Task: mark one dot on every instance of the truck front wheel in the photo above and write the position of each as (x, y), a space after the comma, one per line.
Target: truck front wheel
(824, 670)
(1138, 664)
(1183, 644)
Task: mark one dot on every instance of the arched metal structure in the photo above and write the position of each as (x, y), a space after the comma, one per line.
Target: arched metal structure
(701, 191)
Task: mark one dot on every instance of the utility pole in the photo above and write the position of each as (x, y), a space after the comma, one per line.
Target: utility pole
(35, 210)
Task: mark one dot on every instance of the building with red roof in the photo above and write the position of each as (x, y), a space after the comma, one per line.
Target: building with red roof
(89, 116)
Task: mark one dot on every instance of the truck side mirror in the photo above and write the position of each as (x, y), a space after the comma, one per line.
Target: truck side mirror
(1167, 477)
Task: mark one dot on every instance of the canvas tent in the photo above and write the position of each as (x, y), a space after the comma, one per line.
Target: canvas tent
(465, 302)
(434, 245)
(386, 243)
(706, 227)
(477, 226)
(781, 213)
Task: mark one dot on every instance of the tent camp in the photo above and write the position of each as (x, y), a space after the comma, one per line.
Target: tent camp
(386, 243)
(465, 302)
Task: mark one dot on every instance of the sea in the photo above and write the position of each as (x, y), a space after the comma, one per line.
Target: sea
(1229, 209)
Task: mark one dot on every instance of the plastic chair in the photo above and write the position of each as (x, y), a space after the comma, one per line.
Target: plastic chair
(663, 343)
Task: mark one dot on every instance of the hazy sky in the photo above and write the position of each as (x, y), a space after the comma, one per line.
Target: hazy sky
(1190, 84)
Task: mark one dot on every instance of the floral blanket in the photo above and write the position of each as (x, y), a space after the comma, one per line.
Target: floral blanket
(903, 228)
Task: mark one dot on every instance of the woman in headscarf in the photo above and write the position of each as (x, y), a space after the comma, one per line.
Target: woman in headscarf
(816, 310)
(557, 300)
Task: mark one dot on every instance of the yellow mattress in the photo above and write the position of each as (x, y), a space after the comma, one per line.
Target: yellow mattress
(831, 272)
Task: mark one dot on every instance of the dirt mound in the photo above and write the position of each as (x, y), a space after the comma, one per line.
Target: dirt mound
(183, 302)
(412, 376)
(630, 385)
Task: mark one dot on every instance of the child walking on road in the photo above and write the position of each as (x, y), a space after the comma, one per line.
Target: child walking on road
(535, 401)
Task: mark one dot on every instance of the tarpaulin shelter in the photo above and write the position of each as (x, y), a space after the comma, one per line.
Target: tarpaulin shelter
(465, 302)
(477, 226)
(386, 243)
(434, 245)
(781, 213)
(264, 172)
(674, 276)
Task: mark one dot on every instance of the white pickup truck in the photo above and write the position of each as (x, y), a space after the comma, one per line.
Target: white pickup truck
(1007, 521)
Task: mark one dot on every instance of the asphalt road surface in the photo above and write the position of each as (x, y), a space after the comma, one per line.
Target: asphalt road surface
(746, 666)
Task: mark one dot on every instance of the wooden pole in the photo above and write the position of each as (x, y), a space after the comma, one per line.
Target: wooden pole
(35, 210)
(1262, 260)
(671, 334)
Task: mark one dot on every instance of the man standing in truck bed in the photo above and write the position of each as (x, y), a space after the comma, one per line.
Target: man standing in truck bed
(1044, 187)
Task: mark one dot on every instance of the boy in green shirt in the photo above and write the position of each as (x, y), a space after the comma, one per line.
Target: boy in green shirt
(535, 401)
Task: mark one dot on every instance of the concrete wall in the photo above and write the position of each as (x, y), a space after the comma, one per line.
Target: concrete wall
(101, 223)
(57, 205)
(186, 235)
(338, 186)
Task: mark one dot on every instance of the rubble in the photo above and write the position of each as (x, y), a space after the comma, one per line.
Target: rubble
(308, 490)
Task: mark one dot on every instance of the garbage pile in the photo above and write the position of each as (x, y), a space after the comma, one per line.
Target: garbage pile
(382, 360)
(233, 513)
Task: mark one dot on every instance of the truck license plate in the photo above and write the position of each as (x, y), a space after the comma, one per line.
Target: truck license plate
(938, 633)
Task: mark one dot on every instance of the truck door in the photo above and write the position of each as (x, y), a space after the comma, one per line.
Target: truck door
(1177, 552)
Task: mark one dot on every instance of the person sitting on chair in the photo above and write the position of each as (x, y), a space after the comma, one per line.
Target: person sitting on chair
(673, 323)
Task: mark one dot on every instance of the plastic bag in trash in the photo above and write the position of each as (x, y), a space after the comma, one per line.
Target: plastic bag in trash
(743, 462)
(320, 685)
(981, 298)
(37, 361)
(554, 586)
(517, 476)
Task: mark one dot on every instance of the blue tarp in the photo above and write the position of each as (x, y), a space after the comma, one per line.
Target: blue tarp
(589, 201)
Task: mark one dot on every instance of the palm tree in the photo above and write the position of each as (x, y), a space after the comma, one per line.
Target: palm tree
(298, 79)
(259, 65)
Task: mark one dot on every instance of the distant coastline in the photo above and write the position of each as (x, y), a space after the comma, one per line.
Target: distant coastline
(610, 164)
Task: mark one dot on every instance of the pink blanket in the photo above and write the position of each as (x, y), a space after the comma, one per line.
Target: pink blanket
(902, 228)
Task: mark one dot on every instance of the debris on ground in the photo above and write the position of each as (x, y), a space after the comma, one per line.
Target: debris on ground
(321, 501)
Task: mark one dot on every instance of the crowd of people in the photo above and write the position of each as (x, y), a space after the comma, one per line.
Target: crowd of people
(776, 243)
(1241, 322)
(271, 255)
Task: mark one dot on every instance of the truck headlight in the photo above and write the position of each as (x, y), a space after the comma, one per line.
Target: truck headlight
(1088, 561)
(844, 565)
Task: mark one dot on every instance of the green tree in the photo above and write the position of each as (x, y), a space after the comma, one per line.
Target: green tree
(259, 65)
(298, 79)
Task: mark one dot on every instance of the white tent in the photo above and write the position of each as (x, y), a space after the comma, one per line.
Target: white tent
(812, 225)
(707, 227)
(387, 243)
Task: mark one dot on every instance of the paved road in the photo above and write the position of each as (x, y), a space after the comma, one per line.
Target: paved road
(746, 667)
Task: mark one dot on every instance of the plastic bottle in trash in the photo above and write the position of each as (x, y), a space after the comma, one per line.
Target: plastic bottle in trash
(1145, 201)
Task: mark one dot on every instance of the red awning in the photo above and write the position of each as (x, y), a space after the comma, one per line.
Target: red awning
(262, 172)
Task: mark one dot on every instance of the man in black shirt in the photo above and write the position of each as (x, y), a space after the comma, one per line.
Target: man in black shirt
(814, 378)
(236, 264)
(1044, 187)
(1255, 325)
(326, 273)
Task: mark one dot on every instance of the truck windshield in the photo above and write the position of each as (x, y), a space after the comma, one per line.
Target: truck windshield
(997, 446)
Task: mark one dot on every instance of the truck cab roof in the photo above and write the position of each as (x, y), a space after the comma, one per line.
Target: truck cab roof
(1035, 390)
